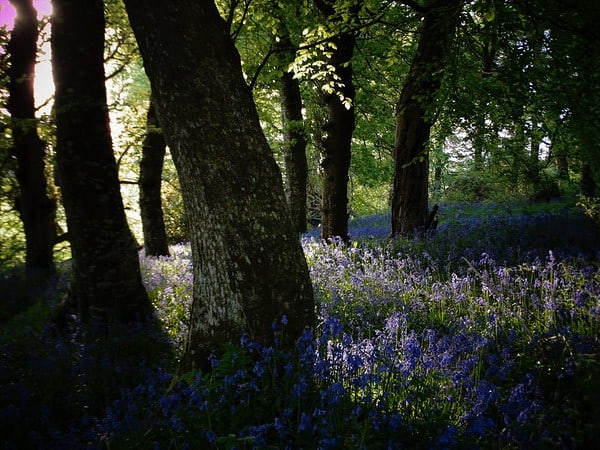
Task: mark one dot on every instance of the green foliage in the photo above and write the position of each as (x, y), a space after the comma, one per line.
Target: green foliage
(513, 95)
(366, 200)
(172, 203)
(591, 207)
(477, 186)
(12, 243)
(20, 309)
(12, 240)
(519, 77)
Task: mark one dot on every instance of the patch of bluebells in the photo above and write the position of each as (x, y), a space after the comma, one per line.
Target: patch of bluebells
(437, 343)
(510, 233)
(169, 282)
(513, 235)
(454, 360)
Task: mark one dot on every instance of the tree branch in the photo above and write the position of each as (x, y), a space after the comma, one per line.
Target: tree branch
(61, 238)
(44, 103)
(261, 66)
(129, 147)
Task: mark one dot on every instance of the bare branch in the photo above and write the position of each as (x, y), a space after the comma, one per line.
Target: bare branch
(260, 67)
(44, 103)
(122, 155)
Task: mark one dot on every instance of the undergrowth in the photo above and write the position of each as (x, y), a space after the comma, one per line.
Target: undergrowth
(484, 334)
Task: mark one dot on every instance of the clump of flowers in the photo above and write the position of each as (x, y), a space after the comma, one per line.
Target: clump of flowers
(168, 280)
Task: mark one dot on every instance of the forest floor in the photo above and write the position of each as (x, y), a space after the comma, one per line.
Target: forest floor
(483, 334)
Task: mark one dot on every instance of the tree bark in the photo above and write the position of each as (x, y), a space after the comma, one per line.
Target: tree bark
(36, 208)
(587, 185)
(151, 165)
(249, 269)
(294, 139)
(410, 208)
(107, 284)
(339, 127)
(562, 165)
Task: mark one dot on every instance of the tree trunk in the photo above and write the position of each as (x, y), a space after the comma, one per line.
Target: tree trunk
(587, 185)
(489, 49)
(534, 168)
(249, 269)
(294, 140)
(107, 282)
(410, 209)
(337, 149)
(153, 154)
(339, 128)
(480, 141)
(36, 208)
(562, 165)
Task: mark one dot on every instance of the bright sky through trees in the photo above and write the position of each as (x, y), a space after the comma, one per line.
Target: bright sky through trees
(7, 12)
(44, 85)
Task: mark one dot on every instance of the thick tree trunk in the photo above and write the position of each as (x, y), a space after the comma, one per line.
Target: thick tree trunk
(249, 269)
(410, 210)
(294, 142)
(151, 165)
(107, 281)
(339, 128)
(36, 208)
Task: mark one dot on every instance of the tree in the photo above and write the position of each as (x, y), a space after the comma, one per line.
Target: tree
(249, 269)
(339, 93)
(37, 210)
(153, 153)
(107, 285)
(294, 134)
(414, 116)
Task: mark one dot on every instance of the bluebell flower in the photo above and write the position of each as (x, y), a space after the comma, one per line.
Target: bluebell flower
(211, 437)
(258, 433)
(480, 425)
(281, 427)
(327, 443)
(305, 425)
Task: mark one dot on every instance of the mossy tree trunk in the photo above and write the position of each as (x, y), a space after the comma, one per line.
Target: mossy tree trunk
(107, 284)
(249, 269)
(36, 208)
